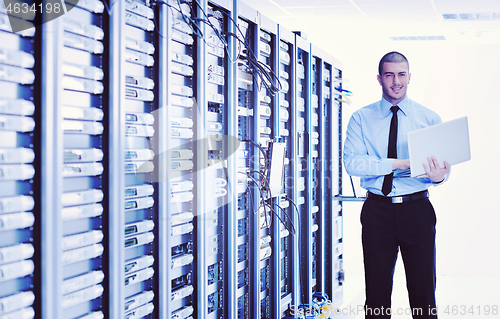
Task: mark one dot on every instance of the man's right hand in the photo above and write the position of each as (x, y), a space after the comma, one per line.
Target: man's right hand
(401, 164)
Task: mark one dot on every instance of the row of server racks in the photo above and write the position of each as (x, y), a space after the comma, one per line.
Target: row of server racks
(135, 151)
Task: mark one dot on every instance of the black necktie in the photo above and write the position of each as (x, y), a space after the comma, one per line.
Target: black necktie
(392, 151)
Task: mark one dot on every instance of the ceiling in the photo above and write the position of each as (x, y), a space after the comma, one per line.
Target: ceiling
(373, 21)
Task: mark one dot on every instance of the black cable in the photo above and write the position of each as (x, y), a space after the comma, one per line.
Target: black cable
(211, 25)
(293, 203)
(108, 7)
(288, 217)
(281, 220)
(260, 191)
(298, 215)
(261, 149)
(262, 70)
(188, 20)
(262, 175)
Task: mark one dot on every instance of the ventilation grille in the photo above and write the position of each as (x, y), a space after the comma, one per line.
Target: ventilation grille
(420, 38)
(471, 16)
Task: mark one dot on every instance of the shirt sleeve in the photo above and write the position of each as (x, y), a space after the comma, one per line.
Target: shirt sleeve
(357, 160)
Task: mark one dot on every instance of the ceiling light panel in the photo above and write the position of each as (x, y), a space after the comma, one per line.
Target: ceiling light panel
(401, 13)
(313, 3)
(390, 3)
(324, 12)
(420, 38)
(466, 6)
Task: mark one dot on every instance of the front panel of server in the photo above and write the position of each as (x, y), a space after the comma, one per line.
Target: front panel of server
(303, 182)
(315, 192)
(266, 133)
(249, 199)
(336, 173)
(82, 108)
(288, 212)
(140, 208)
(216, 197)
(18, 104)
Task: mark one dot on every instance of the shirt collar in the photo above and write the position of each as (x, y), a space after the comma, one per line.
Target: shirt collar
(404, 105)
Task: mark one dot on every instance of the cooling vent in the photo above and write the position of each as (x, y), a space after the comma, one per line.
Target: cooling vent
(420, 38)
(471, 16)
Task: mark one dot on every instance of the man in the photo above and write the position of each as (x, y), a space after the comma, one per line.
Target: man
(397, 213)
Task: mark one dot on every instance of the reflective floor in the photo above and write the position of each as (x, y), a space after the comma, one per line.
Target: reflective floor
(457, 297)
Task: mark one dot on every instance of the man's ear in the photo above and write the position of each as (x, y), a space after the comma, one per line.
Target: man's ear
(409, 78)
(379, 79)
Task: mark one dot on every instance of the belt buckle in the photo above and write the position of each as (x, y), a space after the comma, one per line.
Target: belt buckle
(397, 199)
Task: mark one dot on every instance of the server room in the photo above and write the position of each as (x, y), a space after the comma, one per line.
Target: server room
(186, 159)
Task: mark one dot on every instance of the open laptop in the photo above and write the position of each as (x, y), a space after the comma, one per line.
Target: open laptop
(448, 141)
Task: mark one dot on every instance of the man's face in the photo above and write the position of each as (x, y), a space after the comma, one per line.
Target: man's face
(394, 81)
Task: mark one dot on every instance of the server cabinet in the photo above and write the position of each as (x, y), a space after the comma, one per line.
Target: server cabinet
(289, 241)
(336, 222)
(252, 212)
(327, 178)
(19, 277)
(303, 171)
(133, 27)
(182, 177)
(80, 107)
(215, 148)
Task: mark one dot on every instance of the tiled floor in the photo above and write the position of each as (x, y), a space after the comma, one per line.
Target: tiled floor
(457, 297)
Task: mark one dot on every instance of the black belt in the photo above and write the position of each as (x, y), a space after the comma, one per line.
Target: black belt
(399, 199)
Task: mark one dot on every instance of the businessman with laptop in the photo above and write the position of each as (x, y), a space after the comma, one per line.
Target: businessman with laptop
(397, 214)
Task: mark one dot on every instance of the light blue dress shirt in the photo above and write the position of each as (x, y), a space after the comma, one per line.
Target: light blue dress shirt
(367, 139)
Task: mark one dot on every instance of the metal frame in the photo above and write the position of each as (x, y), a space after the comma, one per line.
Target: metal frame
(162, 127)
(231, 308)
(201, 164)
(116, 163)
(50, 174)
(306, 221)
(275, 277)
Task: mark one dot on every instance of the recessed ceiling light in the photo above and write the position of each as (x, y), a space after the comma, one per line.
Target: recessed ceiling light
(450, 16)
(482, 16)
(467, 16)
(420, 38)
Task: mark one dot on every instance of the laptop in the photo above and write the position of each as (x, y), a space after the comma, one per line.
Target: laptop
(448, 141)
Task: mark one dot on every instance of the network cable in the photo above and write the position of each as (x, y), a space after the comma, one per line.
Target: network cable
(257, 184)
(263, 71)
(292, 231)
(281, 220)
(266, 158)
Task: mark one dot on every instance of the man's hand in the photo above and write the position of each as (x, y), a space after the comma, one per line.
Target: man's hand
(434, 172)
(401, 164)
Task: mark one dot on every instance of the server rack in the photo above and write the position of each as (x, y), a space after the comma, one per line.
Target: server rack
(289, 242)
(302, 157)
(79, 111)
(142, 131)
(330, 272)
(19, 202)
(336, 221)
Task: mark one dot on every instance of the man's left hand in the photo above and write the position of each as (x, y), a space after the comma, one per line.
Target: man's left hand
(434, 172)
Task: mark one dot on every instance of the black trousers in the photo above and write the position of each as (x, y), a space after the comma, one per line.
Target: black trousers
(388, 227)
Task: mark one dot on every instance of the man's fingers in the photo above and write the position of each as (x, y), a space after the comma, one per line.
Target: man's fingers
(426, 169)
(431, 163)
(422, 176)
(435, 162)
(447, 166)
